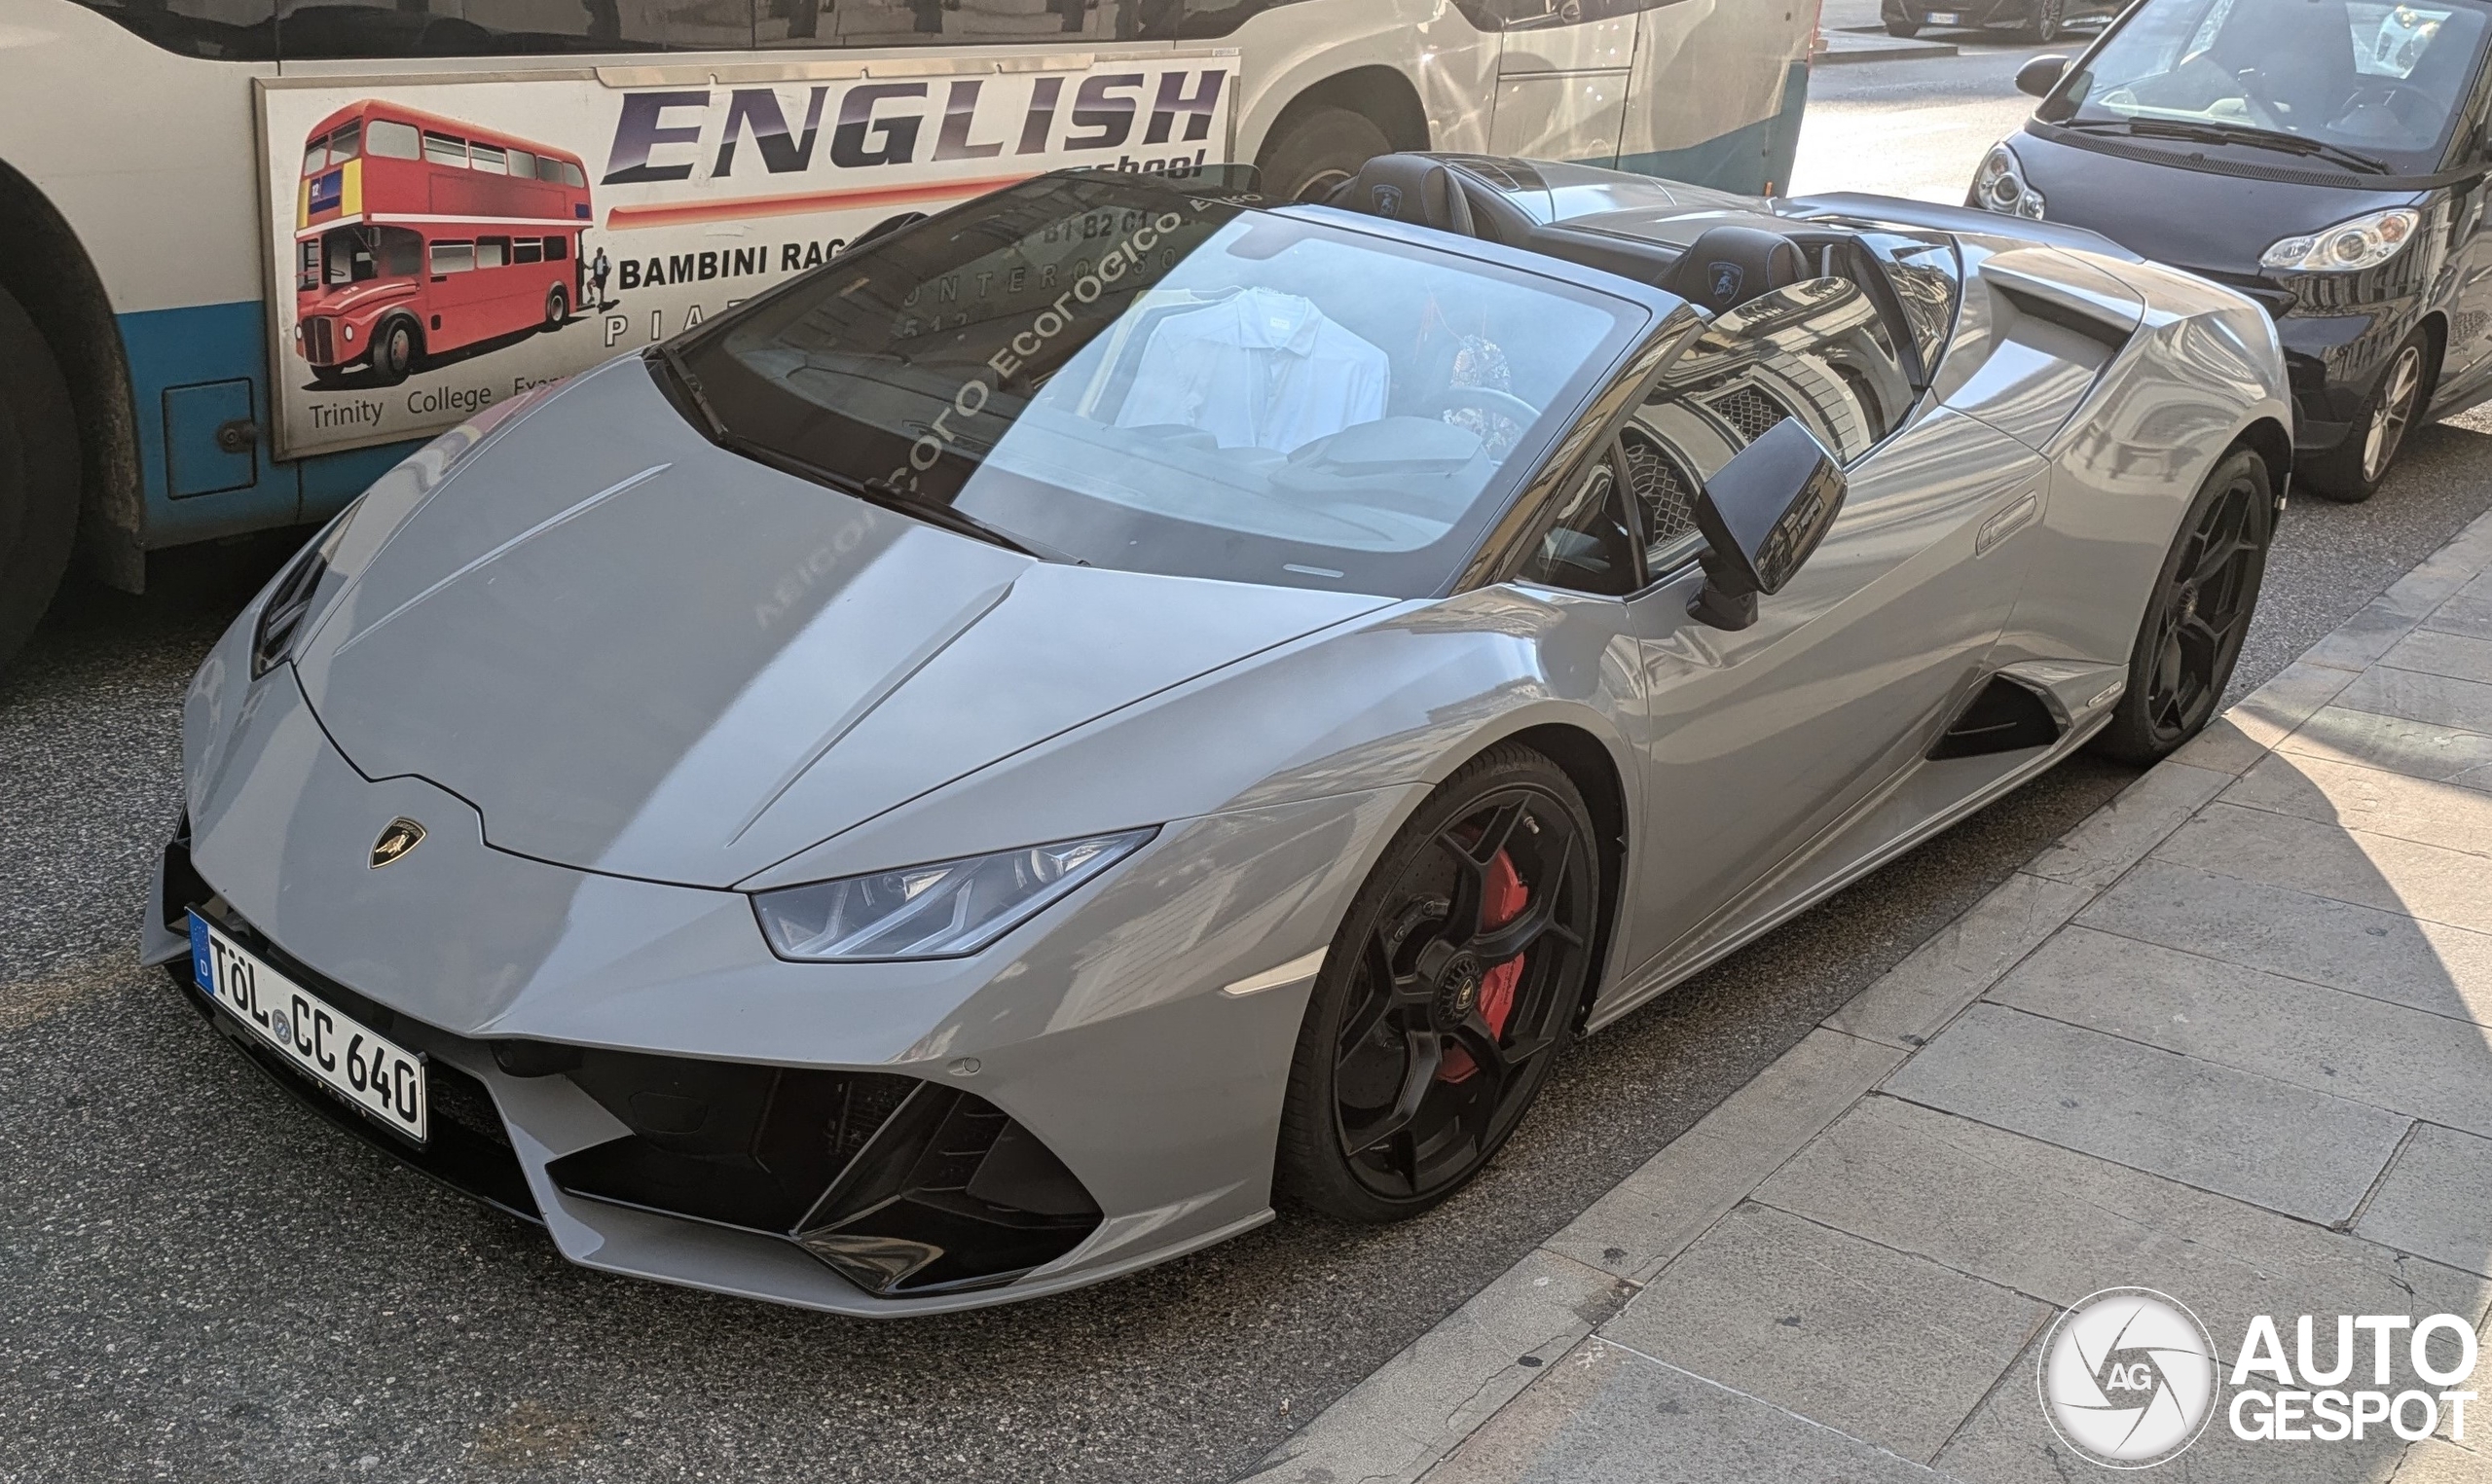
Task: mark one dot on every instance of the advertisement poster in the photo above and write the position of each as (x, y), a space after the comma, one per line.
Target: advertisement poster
(442, 244)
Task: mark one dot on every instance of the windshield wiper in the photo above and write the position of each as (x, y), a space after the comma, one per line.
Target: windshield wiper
(2218, 133)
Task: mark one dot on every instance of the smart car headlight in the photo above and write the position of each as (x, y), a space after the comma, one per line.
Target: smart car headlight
(2366, 241)
(2000, 186)
(949, 909)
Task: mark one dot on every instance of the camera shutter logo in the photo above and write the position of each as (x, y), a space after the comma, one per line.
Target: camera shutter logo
(2128, 1378)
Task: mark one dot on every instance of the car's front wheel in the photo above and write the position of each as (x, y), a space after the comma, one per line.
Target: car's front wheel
(1454, 982)
(2048, 21)
(2199, 615)
(2353, 471)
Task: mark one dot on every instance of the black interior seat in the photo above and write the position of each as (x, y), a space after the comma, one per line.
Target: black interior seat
(1429, 193)
(1729, 266)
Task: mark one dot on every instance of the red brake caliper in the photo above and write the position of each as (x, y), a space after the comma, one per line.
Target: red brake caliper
(1503, 898)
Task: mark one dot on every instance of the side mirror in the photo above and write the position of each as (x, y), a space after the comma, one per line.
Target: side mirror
(2040, 76)
(1763, 517)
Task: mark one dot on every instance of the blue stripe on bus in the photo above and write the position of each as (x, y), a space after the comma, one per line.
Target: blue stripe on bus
(1746, 160)
(169, 349)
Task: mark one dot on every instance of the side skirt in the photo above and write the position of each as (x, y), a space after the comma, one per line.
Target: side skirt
(1769, 907)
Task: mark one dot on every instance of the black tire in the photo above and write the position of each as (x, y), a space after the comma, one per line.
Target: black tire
(557, 308)
(328, 376)
(2048, 22)
(396, 346)
(1903, 31)
(2204, 599)
(1434, 1039)
(1314, 155)
(38, 476)
(2353, 471)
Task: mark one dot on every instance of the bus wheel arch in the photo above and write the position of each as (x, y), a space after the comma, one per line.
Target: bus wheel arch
(43, 267)
(1337, 125)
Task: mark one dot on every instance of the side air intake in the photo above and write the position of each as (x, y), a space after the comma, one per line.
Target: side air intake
(2005, 717)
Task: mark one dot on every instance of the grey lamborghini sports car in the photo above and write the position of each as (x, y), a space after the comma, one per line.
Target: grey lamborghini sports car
(1121, 704)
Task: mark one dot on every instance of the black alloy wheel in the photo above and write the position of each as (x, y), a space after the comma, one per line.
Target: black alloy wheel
(2048, 22)
(1457, 977)
(2200, 615)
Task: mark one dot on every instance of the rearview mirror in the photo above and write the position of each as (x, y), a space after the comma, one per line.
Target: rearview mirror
(1763, 517)
(2040, 76)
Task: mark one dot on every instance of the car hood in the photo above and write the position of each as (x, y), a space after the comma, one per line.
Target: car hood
(2191, 219)
(639, 654)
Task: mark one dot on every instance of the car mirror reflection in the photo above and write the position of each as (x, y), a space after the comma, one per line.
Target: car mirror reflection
(1763, 515)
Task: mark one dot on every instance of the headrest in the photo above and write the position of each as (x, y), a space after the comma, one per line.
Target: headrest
(1729, 266)
(1429, 193)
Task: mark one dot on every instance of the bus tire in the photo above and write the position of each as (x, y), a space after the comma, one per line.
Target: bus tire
(38, 476)
(557, 308)
(1315, 154)
(395, 346)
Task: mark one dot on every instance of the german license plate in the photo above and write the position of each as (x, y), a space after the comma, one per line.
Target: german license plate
(378, 1075)
(1945, 17)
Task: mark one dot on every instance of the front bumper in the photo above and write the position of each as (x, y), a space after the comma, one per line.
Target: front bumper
(1084, 1083)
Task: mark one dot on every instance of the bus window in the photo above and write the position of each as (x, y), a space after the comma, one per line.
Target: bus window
(400, 251)
(347, 257)
(522, 164)
(487, 158)
(571, 176)
(453, 257)
(557, 249)
(527, 250)
(493, 252)
(307, 265)
(343, 143)
(444, 149)
(392, 140)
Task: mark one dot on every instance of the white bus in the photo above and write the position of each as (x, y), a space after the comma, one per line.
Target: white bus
(252, 249)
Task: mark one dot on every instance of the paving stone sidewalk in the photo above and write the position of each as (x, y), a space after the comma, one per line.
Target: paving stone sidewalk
(2230, 1039)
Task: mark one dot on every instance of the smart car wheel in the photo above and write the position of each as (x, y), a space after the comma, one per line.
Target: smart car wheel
(2199, 616)
(1454, 983)
(2355, 469)
(393, 353)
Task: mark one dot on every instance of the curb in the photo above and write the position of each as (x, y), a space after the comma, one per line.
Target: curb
(1844, 50)
(1486, 1352)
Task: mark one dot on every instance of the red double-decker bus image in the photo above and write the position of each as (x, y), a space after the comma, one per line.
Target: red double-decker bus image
(416, 236)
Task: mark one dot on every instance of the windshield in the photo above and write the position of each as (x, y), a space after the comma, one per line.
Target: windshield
(1124, 375)
(2331, 79)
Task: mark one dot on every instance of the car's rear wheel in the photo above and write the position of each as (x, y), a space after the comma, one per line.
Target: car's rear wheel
(1315, 154)
(2048, 22)
(2194, 625)
(1455, 980)
(38, 476)
(2354, 470)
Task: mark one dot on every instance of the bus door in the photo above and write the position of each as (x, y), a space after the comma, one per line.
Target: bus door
(1563, 79)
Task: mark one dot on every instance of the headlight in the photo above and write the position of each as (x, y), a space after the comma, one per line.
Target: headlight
(2000, 186)
(947, 910)
(349, 335)
(2366, 241)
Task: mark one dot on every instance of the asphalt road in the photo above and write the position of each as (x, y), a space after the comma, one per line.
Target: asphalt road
(199, 1282)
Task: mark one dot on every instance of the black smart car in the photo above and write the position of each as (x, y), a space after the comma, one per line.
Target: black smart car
(2036, 20)
(2328, 158)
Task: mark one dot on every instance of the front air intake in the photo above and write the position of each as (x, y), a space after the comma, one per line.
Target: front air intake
(902, 1186)
(2005, 717)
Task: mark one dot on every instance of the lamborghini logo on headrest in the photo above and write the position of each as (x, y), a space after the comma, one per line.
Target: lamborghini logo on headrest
(1728, 279)
(1388, 201)
(402, 835)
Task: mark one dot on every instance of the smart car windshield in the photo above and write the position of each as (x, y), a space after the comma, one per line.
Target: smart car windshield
(1133, 375)
(2361, 86)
